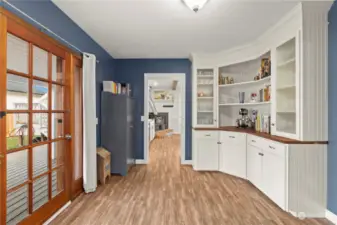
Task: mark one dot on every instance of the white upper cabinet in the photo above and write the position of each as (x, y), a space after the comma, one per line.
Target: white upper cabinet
(297, 46)
(285, 119)
(205, 97)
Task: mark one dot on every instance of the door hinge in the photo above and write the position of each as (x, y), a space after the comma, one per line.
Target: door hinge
(2, 114)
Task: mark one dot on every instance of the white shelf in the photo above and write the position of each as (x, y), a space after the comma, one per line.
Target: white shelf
(243, 104)
(287, 62)
(286, 112)
(246, 83)
(286, 87)
(205, 76)
(205, 111)
(205, 97)
(205, 84)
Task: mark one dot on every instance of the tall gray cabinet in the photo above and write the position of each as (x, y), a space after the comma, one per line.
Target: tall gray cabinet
(117, 130)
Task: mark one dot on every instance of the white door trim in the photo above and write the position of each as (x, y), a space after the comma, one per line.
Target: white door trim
(181, 77)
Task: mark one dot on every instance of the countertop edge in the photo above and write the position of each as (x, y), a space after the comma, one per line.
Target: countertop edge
(259, 134)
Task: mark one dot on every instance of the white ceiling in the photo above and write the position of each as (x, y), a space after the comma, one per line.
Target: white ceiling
(168, 29)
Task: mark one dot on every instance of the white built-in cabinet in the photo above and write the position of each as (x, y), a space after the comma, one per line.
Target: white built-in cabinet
(293, 176)
(297, 46)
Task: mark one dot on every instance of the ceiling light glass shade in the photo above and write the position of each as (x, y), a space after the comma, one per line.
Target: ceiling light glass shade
(195, 5)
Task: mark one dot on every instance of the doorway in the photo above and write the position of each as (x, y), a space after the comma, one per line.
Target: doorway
(165, 93)
(35, 118)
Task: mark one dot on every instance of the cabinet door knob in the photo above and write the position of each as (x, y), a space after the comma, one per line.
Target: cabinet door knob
(261, 154)
(253, 141)
(207, 135)
(231, 137)
(271, 147)
(219, 143)
(273, 124)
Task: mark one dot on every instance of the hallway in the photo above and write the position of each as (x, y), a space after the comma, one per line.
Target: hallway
(165, 193)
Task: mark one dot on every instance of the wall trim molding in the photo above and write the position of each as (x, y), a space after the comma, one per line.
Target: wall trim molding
(57, 213)
(141, 161)
(186, 162)
(331, 216)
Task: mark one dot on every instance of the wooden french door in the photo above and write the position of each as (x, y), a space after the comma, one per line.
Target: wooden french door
(35, 116)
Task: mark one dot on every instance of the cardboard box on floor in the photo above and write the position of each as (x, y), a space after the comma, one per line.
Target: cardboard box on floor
(103, 164)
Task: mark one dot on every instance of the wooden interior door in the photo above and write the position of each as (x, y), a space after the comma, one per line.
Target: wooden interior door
(34, 105)
(77, 133)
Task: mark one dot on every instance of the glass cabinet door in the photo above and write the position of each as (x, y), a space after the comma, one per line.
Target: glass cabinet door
(205, 97)
(286, 88)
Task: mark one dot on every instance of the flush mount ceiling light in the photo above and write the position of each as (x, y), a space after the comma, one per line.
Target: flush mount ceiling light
(195, 5)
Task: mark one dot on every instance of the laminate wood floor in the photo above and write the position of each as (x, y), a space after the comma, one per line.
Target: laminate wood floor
(165, 193)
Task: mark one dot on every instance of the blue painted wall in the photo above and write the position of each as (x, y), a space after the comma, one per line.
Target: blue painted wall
(48, 14)
(332, 147)
(132, 71)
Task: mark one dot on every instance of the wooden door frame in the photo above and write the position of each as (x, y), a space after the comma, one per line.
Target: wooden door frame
(3, 71)
(18, 27)
(76, 186)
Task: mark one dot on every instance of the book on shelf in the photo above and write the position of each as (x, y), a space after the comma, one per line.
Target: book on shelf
(116, 88)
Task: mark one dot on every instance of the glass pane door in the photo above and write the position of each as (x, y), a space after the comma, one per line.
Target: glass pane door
(205, 98)
(286, 87)
(33, 128)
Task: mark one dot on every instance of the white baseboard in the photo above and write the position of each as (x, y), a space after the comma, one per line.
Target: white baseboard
(140, 161)
(57, 213)
(186, 162)
(331, 216)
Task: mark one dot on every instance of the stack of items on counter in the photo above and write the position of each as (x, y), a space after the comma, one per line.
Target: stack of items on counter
(262, 122)
(117, 88)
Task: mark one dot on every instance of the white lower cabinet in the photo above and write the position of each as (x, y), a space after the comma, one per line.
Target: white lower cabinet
(291, 175)
(274, 174)
(254, 165)
(233, 158)
(207, 151)
(266, 168)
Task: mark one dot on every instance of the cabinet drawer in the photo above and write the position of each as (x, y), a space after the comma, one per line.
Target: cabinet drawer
(233, 135)
(256, 141)
(275, 148)
(207, 134)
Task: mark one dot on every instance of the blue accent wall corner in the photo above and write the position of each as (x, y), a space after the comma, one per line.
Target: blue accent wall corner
(332, 78)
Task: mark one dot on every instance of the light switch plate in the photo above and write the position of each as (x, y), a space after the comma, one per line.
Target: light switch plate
(142, 118)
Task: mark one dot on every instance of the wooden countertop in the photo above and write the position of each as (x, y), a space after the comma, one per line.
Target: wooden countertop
(260, 134)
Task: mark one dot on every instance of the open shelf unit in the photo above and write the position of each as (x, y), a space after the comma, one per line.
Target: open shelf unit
(243, 75)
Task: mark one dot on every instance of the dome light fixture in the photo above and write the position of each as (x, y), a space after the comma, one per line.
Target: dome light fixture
(195, 5)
